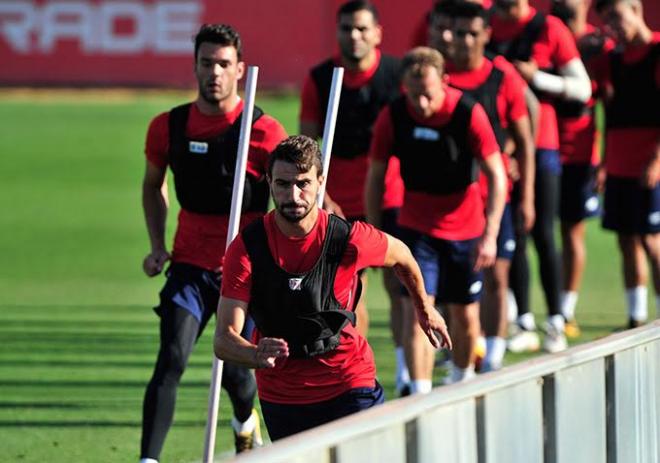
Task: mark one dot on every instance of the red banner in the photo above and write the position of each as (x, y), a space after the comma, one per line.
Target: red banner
(149, 42)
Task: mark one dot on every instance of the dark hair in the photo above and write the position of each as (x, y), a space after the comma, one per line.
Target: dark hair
(443, 8)
(602, 4)
(357, 5)
(470, 10)
(419, 58)
(221, 34)
(300, 150)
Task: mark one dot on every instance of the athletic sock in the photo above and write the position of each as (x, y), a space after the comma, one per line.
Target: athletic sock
(148, 460)
(557, 321)
(420, 386)
(512, 306)
(657, 306)
(637, 303)
(568, 302)
(402, 375)
(495, 350)
(248, 426)
(526, 321)
(461, 374)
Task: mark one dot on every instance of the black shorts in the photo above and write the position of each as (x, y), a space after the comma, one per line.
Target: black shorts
(630, 208)
(578, 197)
(506, 238)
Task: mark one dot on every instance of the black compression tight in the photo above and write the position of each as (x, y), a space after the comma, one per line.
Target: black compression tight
(179, 331)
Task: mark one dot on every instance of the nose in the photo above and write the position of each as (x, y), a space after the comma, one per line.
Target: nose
(447, 35)
(216, 69)
(355, 34)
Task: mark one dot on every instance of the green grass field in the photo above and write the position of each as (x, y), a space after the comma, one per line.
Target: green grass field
(77, 334)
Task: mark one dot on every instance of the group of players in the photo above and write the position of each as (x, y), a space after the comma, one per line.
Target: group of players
(457, 151)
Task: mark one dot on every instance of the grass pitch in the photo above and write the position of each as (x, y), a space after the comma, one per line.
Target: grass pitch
(78, 338)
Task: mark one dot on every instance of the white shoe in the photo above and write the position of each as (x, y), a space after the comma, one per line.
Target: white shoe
(523, 341)
(555, 340)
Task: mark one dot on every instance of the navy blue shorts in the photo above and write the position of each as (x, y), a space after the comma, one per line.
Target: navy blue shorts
(506, 238)
(578, 197)
(196, 290)
(547, 160)
(284, 420)
(447, 267)
(629, 208)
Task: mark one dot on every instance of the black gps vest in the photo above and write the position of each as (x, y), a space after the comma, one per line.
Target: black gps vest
(486, 95)
(204, 169)
(358, 107)
(636, 100)
(300, 308)
(434, 160)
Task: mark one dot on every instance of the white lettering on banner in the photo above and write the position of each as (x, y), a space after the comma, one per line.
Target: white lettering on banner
(161, 27)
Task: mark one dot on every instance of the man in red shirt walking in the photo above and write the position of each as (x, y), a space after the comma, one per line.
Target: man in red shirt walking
(199, 142)
(441, 138)
(295, 273)
(630, 75)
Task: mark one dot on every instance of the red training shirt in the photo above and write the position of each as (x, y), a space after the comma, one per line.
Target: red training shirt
(347, 177)
(201, 239)
(351, 364)
(457, 216)
(554, 48)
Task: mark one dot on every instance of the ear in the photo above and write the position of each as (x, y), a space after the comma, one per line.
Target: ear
(240, 70)
(488, 32)
(379, 34)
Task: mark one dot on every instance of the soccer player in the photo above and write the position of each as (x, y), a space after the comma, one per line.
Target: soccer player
(497, 86)
(544, 53)
(295, 273)
(579, 149)
(371, 80)
(199, 141)
(441, 137)
(631, 76)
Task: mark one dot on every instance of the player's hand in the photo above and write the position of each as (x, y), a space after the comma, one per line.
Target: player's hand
(269, 350)
(514, 170)
(601, 176)
(526, 69)
(433, 324)
(155, 261)
(650, 174)
(527, 214)
(486, 253)
(332, 207)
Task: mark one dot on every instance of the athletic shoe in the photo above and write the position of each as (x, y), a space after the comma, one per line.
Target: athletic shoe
(635, 323)
(523, 341)
(487, 366)
(554, 341)
(571, 329)
(404, 391)
(244, 441)
(479, 353)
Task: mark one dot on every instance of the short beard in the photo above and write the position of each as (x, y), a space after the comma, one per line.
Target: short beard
(289, 218)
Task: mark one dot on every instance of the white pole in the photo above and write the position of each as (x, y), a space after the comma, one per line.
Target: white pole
(329, 129)
(234, 222)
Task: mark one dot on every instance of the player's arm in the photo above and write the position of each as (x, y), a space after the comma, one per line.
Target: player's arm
(651, 173)
(229, 345)
(155, 205)
(493, 169)
(572, 83)
(533, 109)
(374, 191)
(408, 272)
(524, 154)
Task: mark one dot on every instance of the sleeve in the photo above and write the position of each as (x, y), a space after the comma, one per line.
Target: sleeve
(382, 140)
(562, 42)
(237, 272)
(157, 143)
(482, 138)
(514, 95)
(370, 245)
(267, 133)
(309, 102)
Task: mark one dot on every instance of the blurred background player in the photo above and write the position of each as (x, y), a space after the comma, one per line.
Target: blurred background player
(501, 91)
(295, 271)
(199, 142)
(579, 149)
(543, 51)
(371, 80)
(630, 75)
(441, 137)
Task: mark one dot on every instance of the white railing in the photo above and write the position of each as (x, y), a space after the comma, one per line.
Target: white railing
(597, 402)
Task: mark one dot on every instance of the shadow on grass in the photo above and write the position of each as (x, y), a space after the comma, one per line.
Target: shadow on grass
(42, 405)
(92, 383)
(90, 424)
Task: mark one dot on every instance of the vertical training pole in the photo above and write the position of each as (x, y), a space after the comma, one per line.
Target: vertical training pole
(329, 129)
(234, 222)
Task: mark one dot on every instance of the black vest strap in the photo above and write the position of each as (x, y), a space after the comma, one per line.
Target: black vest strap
(300, 308)
(520, 48)
(204, 169)
(358, 107)
(636, 99)
(435, 160)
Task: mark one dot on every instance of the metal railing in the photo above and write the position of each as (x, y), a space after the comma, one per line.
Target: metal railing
(597, 402)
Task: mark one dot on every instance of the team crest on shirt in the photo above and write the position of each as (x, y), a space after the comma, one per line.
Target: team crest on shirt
(198, 147)
(425, 133)
(295, 284)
